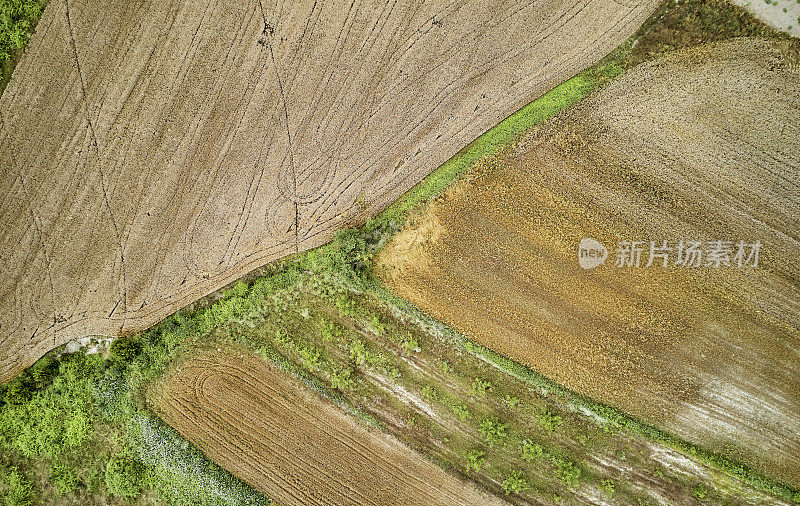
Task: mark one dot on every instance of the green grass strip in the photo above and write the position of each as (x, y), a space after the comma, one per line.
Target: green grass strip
(580, 402)
(496, 138)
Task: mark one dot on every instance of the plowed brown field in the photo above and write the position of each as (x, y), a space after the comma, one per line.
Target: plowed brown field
(702, 144)
(280, 437)
(155, 151)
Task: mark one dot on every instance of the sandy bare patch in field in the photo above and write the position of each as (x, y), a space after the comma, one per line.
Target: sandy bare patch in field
(703, 144)
(154, 152)
(287, 442)
(773, 13)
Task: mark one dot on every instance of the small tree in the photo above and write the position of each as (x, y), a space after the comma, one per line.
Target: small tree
(124, 476)
(476, 459)
(123, 350)
(494, 432)
(515, 483)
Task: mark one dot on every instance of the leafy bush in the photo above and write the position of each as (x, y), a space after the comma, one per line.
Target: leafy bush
(494, 432)
(19, 489)
(476, 459)
(358, 351)
(510, 402)
(18, 392)
(548, 420)
(699, 491)
(330, 331)
(568, 472)
(429, 393)
(480, 386)
(461, 411)
(342, 379)
(17, 19)
(515, 483)
(346, 306)
(311, 356)
(377, 326)
(409, 343)
(124, 476)
(64, 479)
(531, 450)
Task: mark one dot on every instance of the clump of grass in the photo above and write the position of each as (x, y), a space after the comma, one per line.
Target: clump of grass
(494, 431)
(476, 459)
(607, 487)
(515, 483)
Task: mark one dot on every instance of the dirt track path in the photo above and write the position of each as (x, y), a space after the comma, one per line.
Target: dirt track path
(155, 151)
(284, 440)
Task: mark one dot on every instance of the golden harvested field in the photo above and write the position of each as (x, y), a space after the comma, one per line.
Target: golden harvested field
(156, 151)
(287, 442)
(701, 144)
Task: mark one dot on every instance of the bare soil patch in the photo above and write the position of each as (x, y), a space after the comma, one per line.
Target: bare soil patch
(290, 444)
(701, 144)
(154, 152)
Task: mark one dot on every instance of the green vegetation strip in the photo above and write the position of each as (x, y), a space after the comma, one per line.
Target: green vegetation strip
(503, 134)
(580, 402)
(488, 144)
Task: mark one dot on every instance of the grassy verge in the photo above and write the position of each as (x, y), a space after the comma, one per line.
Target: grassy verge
(503, 134)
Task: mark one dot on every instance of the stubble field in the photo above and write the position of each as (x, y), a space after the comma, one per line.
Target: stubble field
(701, 144)
(275, 434)
(158, 151)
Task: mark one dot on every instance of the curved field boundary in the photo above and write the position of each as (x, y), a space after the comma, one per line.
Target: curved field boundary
(158, 151)
(269, 430)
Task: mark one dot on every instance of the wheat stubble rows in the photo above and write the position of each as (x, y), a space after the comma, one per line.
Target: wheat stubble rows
(155, 151)
(286, 441)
